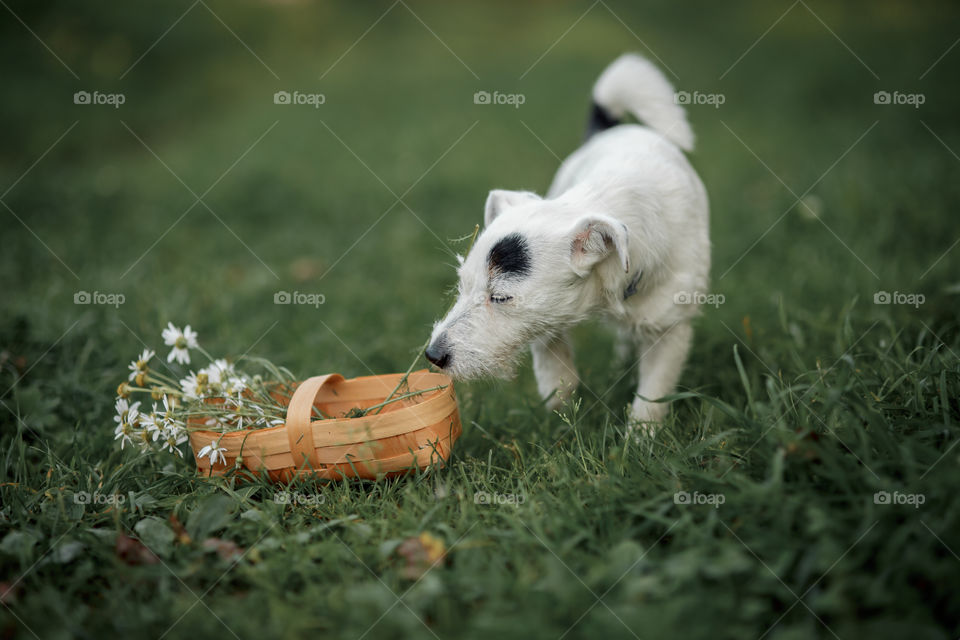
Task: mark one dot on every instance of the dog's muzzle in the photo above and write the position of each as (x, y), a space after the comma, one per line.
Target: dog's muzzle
(439, 352)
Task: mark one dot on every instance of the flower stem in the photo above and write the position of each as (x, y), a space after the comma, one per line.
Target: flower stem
(402, 396)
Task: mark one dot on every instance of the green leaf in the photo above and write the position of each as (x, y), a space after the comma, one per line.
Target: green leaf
(254, 515)
(18, 543)
(66, 551)
(743, 377)
(156, 534)
(727, 560)
(212, 514)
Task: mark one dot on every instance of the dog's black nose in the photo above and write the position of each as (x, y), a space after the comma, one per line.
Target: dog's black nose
(438, 354)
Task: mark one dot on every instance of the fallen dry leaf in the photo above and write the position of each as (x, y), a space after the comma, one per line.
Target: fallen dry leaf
(134, 552)
(226, 549)
(9, 592)
(178, 529)
(421, 553)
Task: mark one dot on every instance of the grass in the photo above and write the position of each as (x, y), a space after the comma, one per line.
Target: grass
(801, 401)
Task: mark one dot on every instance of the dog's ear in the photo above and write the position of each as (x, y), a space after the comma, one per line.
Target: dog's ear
(500, 200)
(594, 238)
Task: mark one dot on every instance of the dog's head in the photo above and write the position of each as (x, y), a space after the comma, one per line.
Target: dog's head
(529, 275)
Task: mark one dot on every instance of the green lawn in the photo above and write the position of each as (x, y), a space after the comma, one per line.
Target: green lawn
(199, 198)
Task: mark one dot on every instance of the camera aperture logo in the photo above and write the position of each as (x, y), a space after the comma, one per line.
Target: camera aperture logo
(97, 98)
(897, 498)
(896, 98)
(297, 97)
(696, 98)
(898, 297)
(486, 498)
(686, 498)
(699, 298)
(98, 297)
(512, 99)
(312, 299)
(85, 497)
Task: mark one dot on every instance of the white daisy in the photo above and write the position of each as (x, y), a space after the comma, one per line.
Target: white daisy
(181, 341)
(169, 404)
(126, 412)
(189, 386)
(163, 426)
(143, 439)
(123, 431)
(196, 386)
(215, 452)
(263, 421)
(235, 385)
(223, 378)
(173, 436)
(218, 371)
(178, 433)
(236, 419)
(127, 419)
(152, 423)
(139, 365)
(170, 444)
(212, 372)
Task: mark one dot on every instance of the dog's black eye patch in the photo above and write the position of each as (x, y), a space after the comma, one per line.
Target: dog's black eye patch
(510, 255)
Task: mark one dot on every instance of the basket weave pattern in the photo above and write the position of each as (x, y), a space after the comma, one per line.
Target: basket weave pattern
(410, 433)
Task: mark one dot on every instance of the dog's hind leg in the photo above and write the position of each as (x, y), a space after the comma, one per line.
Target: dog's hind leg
(661, 361)
(554, 368)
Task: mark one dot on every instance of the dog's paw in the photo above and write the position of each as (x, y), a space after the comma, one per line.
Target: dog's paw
(642, 431)
(645, 418)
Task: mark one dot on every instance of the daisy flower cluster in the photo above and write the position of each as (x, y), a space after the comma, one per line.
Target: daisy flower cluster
(218, 397)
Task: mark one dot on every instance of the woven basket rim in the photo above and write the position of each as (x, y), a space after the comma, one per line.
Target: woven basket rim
(441, 396)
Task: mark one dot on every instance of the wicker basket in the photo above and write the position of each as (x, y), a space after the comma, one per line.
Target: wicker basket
(407, 434)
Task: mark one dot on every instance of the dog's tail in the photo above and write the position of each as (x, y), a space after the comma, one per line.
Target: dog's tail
(632, 85)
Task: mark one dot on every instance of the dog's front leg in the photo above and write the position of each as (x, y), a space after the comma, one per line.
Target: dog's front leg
(661, 361)
(625, 346)
(553, 366)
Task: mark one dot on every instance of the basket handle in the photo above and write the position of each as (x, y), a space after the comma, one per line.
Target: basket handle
(298, 418)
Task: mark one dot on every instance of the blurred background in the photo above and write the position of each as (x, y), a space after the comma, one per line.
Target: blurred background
(197, 161)
(198, 198)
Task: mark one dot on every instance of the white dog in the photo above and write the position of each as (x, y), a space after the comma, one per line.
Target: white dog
(622, 232)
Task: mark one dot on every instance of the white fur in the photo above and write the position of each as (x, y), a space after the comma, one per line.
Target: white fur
(626, 202)
(633, 85)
